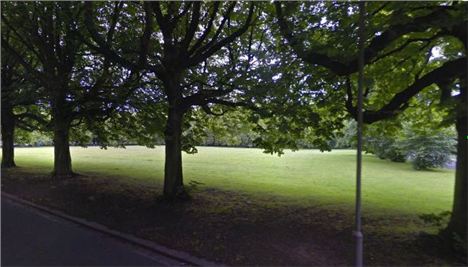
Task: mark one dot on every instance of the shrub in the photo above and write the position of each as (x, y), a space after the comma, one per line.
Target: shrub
(395, 153)
(427, 151)
(425, 159)
(346, 138)
(386, 148)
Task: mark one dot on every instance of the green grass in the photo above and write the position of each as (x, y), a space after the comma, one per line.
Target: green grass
(306, 177)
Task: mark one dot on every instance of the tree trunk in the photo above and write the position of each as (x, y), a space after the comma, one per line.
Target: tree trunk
(456, 230)
(458, 223)
(173, 178)
(8, 130)
(61, 117)
(62, 158)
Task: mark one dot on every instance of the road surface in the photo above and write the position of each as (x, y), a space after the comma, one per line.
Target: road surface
(30, 237)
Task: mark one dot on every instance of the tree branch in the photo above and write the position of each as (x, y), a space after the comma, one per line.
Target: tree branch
(35, 117)
(102, 45)
(145, 38)
(207, 30)
(377, 44)
(36, 74)
(210, 49)
(399, 102)
(193, 26)
(208, 110)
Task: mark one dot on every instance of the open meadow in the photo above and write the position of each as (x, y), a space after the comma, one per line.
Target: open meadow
(305, 176)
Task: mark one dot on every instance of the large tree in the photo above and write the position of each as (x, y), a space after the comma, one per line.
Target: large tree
(47, 31)
(45, 38)
(398, 63)
(20, 104)
(177, 45)
(10, 79)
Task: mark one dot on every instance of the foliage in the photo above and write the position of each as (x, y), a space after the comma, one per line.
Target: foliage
(425, 149)
(419, 134)
(386, 148)
(346, 137)
(232, 129)
(35, 138)
(429, 151)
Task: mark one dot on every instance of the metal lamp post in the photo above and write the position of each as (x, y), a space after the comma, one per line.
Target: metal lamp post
(358, 231)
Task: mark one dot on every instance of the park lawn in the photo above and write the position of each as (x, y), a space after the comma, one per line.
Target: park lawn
(251, 208)
(302, 177)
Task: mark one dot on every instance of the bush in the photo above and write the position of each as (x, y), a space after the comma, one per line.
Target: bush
(395, 153)
(346, 138)
(426, 158)
(379, 146)
(386, 148)
(429, 151)
(425, 148)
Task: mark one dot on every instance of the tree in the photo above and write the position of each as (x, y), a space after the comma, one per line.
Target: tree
(78, 87)
(48, 33)
(19, 109)
(9, 77)
(402, 37)
(179, 45)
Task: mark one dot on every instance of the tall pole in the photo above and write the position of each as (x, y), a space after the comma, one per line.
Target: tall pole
(358, 232)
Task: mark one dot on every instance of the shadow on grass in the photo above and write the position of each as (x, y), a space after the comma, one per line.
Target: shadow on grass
(226, 226)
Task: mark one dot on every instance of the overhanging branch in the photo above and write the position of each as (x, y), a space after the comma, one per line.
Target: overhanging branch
(376, 45)
(399, 102)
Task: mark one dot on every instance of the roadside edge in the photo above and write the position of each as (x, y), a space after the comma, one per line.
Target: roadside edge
(146, 244)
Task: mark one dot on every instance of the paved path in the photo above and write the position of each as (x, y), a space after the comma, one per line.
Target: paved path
(30, 237)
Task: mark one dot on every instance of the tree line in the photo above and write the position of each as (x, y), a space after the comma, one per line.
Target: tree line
(147, 70)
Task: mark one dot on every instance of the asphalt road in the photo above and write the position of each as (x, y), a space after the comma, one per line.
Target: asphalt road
(30, 237)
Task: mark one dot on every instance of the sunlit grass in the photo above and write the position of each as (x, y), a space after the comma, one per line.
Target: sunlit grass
(302, 177)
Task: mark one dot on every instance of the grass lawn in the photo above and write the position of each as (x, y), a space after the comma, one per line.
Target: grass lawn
(303, 177)
(252, 208)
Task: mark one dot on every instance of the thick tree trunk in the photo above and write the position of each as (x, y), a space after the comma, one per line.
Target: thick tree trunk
(173, 178)
(61, 118)
(8, 130)
(62, 158)
(458, 224)
(456, 230)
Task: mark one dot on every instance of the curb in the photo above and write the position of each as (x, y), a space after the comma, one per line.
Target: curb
(139, 242)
